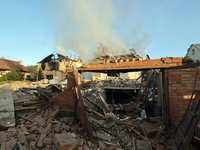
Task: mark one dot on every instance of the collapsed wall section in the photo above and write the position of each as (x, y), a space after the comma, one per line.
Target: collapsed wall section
(67, 98)
(180, 88)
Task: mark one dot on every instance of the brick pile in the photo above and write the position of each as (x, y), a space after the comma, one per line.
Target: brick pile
(43, 132)
(181, 83)
(136, 63)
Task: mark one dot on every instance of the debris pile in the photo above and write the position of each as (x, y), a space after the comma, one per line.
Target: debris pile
(115, 129)
(41, 130)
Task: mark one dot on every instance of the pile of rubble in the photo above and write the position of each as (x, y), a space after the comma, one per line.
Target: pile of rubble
(114, 126)
(40, 130)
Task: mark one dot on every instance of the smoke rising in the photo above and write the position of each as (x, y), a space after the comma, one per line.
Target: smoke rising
(84, 24)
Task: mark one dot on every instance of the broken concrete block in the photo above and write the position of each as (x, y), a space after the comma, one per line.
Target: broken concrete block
(142, 145)
(102, 136)
(64, 141)
(149, 129)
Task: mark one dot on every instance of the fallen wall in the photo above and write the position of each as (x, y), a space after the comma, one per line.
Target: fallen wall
(67, 98)
(180, 88)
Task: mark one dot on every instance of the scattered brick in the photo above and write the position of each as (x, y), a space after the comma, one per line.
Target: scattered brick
(48, 141)
(40, 142)
(149, 129)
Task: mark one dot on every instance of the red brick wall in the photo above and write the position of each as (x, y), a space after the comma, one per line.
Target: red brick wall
(181, 83)
(136, 63)
(67, 98)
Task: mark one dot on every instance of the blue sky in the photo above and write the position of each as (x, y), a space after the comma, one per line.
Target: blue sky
(32, 29)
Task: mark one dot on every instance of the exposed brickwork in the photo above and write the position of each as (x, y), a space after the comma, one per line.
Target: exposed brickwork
(67, 98)
(136, 63)
(181, 82)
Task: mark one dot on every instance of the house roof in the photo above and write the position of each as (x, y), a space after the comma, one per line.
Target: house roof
(9, 64)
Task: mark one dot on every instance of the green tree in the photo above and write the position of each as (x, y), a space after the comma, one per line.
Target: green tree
(187, 60)
(40, 75)
(15, 75)
(32, 68)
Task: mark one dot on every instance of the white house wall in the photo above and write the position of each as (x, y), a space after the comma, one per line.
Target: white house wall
(196, 56)
(130, 75)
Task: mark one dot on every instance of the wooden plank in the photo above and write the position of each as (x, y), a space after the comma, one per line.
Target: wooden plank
(25, 108)
(21, 101)
(165, 101)
(80, 104)
(104, 102)
(100, 115)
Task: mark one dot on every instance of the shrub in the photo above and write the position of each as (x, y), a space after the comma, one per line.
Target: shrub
(15, 75)
(3, 78)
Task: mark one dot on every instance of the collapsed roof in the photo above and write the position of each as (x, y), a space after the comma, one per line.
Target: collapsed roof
(116, 57)
(52, 58)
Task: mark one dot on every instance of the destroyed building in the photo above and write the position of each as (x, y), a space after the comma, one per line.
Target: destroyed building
(116, 58)
(90, 120)
(56, 65)
(7, 65)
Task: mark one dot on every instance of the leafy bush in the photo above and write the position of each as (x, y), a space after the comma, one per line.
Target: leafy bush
(15, 75)
(3, 78)
(187, 60)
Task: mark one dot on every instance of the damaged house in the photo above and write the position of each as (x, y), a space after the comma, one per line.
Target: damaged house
(56, 66)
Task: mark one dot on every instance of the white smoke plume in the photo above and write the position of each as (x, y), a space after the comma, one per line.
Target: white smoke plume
(84, 24)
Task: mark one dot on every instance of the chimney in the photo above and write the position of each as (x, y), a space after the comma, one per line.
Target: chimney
(20, 62)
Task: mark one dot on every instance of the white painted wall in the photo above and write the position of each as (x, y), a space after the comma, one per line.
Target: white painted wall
(195, 56)
(128, 75)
